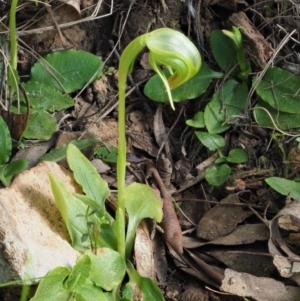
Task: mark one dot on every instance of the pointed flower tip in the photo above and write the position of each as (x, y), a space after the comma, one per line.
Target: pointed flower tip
(174, 50)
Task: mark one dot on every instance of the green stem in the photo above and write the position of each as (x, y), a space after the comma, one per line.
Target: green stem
(126, 61)
(13, 77)
(12, 33)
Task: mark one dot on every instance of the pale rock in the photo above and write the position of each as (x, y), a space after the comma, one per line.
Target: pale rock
(33, 237)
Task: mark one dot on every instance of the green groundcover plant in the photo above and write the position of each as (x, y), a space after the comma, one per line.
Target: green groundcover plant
(52, 78)
(277, 106)
(105, 240)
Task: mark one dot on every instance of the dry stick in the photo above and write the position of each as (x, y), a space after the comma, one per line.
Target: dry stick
(170, 224)
(62, 38)
(44, 63)
(90, 18)
(208, 269)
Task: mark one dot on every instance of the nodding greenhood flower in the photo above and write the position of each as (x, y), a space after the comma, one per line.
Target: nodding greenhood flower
(176, 52)
(168, 48)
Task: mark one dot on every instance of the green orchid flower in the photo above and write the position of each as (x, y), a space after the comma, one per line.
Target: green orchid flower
(179, 55)
(169, 48)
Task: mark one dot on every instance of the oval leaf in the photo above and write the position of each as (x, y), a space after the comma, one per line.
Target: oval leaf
(51, 287)
(211, 141)
(285, 187)
(14, 168)
(228, 101)
(72, 68)
(79, 273)
(237, 155)
(107, 269)
(140, 203)
(140, 286)
(223, 50)
(265, 115)
(87, 176)
(45, 97)
(217, 175)
(41, 125)
(193, 88)
(197, 121)
(73, 213)
(280, 89)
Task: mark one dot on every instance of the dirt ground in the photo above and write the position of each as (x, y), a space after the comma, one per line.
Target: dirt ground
(207, 215)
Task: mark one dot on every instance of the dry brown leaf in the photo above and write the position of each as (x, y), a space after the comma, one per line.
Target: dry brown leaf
(143, 251)
(75, 4)
(35, 151)
(244, 234)
(143, 141)
(221, 219)
(15, 122)
(158, 126)
(258, 288)
(250, 260)
(277, 245)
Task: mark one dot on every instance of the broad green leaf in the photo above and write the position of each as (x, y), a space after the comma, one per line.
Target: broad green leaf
(73, 213)
(140, 286)
(140, 203)
(196, 86)
(217, 175)
(79, 274)
(87, 176)
(227, 102)
(211, 141)
(90, 292)
(237, 156)
(72, 68)
(44, 97)
(41, 125)
(266, 116)
(107, 154)
(14, 168)
(223, 50)
(197, 121)
(2, 177)
(51, 287)
(281, 90)
(5, 142)
(58, 154)
(285, 187)
(221, 160)
(108, 268)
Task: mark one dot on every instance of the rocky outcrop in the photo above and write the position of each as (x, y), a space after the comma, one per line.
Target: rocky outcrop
(33, 236)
